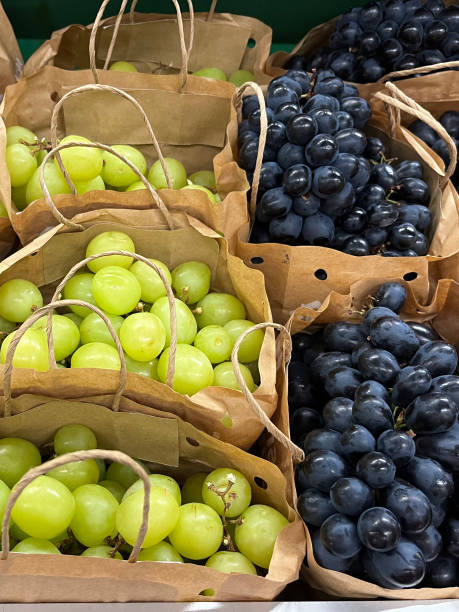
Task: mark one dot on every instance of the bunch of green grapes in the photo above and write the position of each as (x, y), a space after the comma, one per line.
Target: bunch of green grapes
(90, 169)
(93, 509)
(133, 297)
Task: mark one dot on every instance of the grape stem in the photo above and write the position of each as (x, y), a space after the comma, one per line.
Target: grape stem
(66, 541)
(116, 543)
(310, 93)
(227, 540)
(197, 310)
(140, 307)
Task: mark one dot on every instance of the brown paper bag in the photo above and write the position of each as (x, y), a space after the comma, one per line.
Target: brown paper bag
(11, 62)
(441, 313)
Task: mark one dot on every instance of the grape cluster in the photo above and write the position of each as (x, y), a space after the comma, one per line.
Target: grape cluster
(374, 406)
(382, 37)
(323, 182)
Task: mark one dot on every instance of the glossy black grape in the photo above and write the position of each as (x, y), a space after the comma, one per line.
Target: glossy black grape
(275, 203)
(438, 357)
(343, 336)
(448, 385)
(379, 529)
(301, 129)
(351, 496)
(442, 447)
(451, 535)
(431, 478)
(372, 388)
(318, 230)
(337, 413)
(322, 439)
(411, 382)
(325, 559)
(306, 205)
(297, 180)
(441, 573)
(398, 445)
(401, 567)
(342, 382)
(374, 314)
(433, 413)
(322, 468)
(390, 295)
(315, 506)
(376, 469)
(373, 413)
(380, 365)
(356, 441)
(327, 121)
(423, 332)
(410, 505)
(326, 362)
(286, 229)
(395, 336)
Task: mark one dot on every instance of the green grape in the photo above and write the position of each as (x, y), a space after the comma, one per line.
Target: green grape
(54, 181)
(209, 194)
(71, 438)
(186, 323)
(17, 533)
(158, 480)
(149, 369)
(36, 546)
(115, 489)
(142, 336)
(95, 514)
(193, 370)
(162, 552)
(6, 326)
(163, 517)
(44, 509)
(94, 329)
(116, 290)
(191, 281)
(21, 164)
(123, 67)
(177, 174)
(225, 377)
(150, 283)
(211, 73)
(239, 495)
(198, 533)
(250, 347)
(95, 184)
(18, 195)
(135, 186)
(253, 367)
(96, 355)
(4, 495)
(102, 468)
(81, 163)
(206, 178)
(79, 287)
(192, 488)
(16, 133)
(215, 342)
(240, 77)
(256, 536)
(218, 309)
(103, 552)
(31, 352)
(231, 563)
(66, 334)
(124, 474)
(110, 241)
(76, 474)
(116, 172)
(74, 317)
(18, 299)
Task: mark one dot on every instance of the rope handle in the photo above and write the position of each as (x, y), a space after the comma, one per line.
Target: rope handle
(40, 470)
(421, 70)
(210, 14)
(8, 371)
(295, 451)
(96, 87)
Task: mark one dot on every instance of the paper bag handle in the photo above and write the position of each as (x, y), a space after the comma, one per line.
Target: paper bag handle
(295, 451)
(237, 102)
(123, 94)
(169, 293)
(18, 334)
(40, 470)
(421, 70)
(210, 14)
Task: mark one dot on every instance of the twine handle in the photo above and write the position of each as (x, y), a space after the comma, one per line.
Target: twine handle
(169, 292)
(96, 87)
(421, 70)
(210, 14)
(237, 102)
(296, 452)
(40, 470)
(8, 371)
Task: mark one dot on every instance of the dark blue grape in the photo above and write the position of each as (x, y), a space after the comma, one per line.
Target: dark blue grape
(373, 413)
(375, 149)
(327, 122)
(431, 413)
(423, 332)
(342, 382)
(347, 164)
(322, 468)
(357, 246)
(331, 86)
(438, 514)
(275, 203)
(451, 535)
(356, 441)
(371, 69)
(306, 205)
(442, 447)
(351, 140)
(359, 109)
(355, 221)
(337, 413)
(374, 314)
(322, 150)
(301, 129)
(429, 543)
(285, 111)
(326, 362)
(344, 120)
(382, 214)
(400, 568)
(413, 191)
(343, 336)
(391, 295)
(371, 388)
(425, 133)
(304, 420)
(288, 82)
(399, 446)
(318, 230)
(301, 77)
(249, 104)
(279, 94)
(322, 439)
(339, 536)
(391, 51)
(431, 478)
(410, 168)
(248, 153)
(321, 101)
(438, 357)
(376, 469)
(380, 365)
(270, 176)
(441, 573)
(276, 135)
(290, 154)
(410, 35)
(360, 180)
(363, 346)
(448, 385)
(379, 529)
(326, 559)
(297, 180)
(395, 336)
(351, 496)
(410, 505)
(369, 43)
(254, 119)
(338, 204)
(315, 506)
(286, 229)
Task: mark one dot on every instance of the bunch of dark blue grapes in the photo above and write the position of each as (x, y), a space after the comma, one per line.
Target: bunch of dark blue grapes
(375, 405)
(382, 37)
(323, 182)
(450, 121)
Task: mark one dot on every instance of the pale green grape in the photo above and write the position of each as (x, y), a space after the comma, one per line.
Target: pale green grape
(253, 367)
(218, 309)
(18, 196)
(239, 495)
(193, 370)
(117, 173)
(6, 326)
(135, 186)
(149, 369)
(230, 562)
(250, 347)
(123, 67)
(116, 290)
(162, 552)
(94, 329)
(54, 181)
(102, 468)
(215, 342)
(211, 73)
(31, 352)
(163, 517)
(186, 323)
(71, 438)
(206, 178)
(76, 474)
(74, 317)
(110, 241)
(82, 163)
(4, 495)
(103, 552)
(142, 336)
(240, 77)
(95, 514)
(95, 184)
(124, 474)
(198, 533)
(191, 281)
(18, 299)
(16, 133)
(209, 194)
(36, 546)
(150, 283)
(177, 174)
(192, 488)
(79, 287)
(225, 377)
(44, 509)
(96, 355)
(115, 488)
(256, 536)
(21, 164)
(66, 335)
(158, 480)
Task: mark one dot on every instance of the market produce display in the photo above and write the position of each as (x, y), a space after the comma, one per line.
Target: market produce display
(375, 405)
